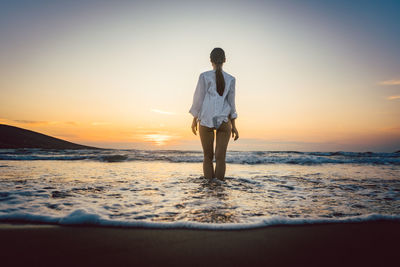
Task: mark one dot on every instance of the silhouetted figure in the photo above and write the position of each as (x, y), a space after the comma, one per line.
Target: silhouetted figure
(214, 109)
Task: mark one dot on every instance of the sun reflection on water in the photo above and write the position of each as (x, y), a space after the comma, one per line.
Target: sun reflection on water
(157, 139)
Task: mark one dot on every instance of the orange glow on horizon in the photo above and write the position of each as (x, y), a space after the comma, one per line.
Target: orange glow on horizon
(157, 139)
(302, 81)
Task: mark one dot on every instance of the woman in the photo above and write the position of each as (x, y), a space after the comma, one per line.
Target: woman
(214, 109)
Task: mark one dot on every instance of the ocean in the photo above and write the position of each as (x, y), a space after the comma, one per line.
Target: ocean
(165, 188)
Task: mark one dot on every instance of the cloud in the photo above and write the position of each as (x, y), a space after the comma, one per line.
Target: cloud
(393, 97)
(162, 112)
(34, 122)
(99, 123)
(391, 129)
(390, 82)
(31, 122)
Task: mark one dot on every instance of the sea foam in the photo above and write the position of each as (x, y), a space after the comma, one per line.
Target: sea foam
(178, 156)
(82, 217)
(149, 193)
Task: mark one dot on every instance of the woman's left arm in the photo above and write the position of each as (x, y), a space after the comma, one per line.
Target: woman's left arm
(198, 99)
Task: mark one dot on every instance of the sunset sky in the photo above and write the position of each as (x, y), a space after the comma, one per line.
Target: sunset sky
(310, 75)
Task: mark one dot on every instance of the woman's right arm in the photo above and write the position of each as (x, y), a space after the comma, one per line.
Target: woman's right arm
(231, 99)
(235, 132)
(198, 99)
(233, 113)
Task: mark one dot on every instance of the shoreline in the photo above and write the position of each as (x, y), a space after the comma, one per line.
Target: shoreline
(334, 244)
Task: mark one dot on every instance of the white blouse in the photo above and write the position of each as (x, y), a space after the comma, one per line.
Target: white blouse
(208, 106)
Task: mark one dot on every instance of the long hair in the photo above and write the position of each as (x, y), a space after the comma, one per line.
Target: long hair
(217, 56)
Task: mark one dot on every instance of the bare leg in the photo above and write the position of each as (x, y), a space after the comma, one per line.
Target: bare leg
(223, 134)
(207, 142)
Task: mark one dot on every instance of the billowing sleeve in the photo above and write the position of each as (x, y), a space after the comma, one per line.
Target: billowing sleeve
(198, 97)
(231, 99)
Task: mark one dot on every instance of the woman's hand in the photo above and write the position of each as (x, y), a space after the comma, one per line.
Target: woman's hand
(235, 134)
(194, 126)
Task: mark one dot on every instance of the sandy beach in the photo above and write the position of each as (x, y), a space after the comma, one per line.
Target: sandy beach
(355, 244)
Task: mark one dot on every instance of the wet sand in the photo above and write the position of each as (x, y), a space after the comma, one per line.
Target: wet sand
(350, 244)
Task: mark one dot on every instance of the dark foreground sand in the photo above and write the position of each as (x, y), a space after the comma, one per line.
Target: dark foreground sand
(351, 244)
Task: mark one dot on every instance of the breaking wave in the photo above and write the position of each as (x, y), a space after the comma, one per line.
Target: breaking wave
(82, 217)
(237, 157)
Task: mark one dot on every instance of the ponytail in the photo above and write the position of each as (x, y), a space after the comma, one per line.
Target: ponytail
(219, 78)
(217, 56)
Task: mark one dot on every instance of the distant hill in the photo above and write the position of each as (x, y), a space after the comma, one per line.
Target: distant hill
(15, 137)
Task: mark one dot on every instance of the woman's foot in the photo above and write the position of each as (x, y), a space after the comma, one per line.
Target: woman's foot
(216, 181)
